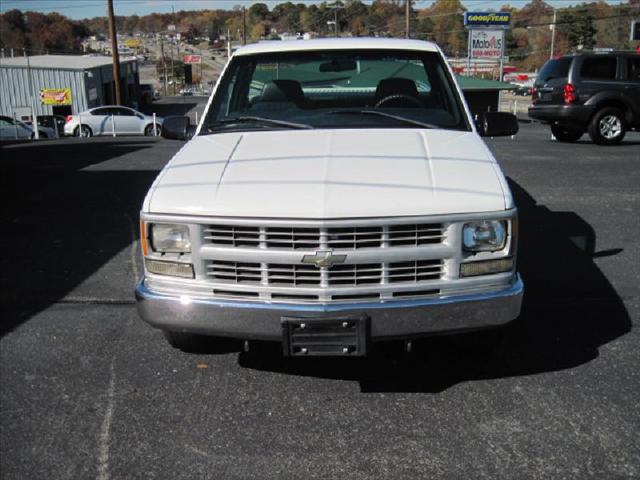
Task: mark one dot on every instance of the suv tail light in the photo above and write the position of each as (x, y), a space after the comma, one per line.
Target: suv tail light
(534, 94)
(68, 118)
(569, 93)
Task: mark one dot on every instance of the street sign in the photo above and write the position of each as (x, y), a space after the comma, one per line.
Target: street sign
(192, 59)
(55, 96)
(487, 19)
(486, 43)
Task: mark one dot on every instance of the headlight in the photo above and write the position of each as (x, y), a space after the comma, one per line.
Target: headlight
(170, 238)
(485, 235)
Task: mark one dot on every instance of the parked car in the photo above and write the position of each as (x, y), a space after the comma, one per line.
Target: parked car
(104, 120)
(342, 198)
(523, 89)
(54, 122)
(11, 129)
(594, 92)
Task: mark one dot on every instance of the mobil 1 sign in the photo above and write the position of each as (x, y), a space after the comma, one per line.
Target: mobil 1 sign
(486, 43)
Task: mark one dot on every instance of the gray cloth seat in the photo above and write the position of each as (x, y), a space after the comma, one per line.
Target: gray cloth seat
(396, 86)
(282, 91)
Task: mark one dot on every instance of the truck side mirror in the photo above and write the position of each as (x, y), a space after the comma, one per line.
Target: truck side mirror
(497, 124)
(177, 128)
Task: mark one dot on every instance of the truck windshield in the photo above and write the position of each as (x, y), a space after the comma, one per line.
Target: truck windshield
(408, 89)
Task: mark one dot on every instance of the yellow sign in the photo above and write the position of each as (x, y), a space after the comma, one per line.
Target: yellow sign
(55, 96)
(133, 43)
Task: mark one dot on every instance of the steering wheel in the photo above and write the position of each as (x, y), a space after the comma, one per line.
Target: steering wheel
(399, 96)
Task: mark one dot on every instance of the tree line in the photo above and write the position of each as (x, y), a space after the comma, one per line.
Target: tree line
(528, 42)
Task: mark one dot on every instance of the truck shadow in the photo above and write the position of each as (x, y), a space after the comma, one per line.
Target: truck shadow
(570, 309)
(66, 212)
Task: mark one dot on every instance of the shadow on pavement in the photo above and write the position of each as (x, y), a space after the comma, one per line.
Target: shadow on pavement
(60, 223)
(570, 309)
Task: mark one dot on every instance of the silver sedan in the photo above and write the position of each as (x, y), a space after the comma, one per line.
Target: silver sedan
(11, 129)
(109, 119)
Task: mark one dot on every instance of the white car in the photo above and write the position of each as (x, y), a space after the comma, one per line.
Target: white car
(11, 129)
(104, 120)
(336, 193)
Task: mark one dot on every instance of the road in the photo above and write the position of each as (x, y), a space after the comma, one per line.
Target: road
(90, 391)
(211, 71)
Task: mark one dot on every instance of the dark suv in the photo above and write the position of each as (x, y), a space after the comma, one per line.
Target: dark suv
(594, 92)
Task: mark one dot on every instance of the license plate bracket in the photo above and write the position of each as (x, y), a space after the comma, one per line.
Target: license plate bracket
(327, 336)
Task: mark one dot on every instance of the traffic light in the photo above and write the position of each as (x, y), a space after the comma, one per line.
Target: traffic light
(635, 30)
(187, 74)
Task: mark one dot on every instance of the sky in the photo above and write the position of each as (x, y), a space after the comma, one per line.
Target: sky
(95, 8)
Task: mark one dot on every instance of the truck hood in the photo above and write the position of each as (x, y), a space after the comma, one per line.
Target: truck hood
(324, 174)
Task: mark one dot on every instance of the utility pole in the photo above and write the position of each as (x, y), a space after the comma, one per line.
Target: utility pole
(173, 72)
(34, 117)
(553, 33)
(244, 26)
(335, 7)
(164, 64)
(114, 52)
(407, 19)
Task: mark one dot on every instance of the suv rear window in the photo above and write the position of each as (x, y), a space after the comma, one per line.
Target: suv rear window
(555, 69)
(602, 68)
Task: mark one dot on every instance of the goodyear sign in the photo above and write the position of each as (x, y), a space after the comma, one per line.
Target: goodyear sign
(487, 19)
(55, 96)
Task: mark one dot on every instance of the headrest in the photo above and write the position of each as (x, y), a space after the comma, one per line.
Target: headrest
(394, 86)
(282, 91)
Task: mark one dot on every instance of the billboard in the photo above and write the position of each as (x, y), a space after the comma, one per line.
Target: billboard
(192, 59)
(486, 43)
(487, 19)
(55, 96)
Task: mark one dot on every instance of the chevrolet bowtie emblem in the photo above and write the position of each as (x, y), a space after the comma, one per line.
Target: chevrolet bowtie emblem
(323, 258)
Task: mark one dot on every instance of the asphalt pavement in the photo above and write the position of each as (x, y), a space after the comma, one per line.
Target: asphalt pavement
(88, 390)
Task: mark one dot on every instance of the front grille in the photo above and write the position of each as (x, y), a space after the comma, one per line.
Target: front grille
(300, 275)
(343, 238)
(382, 261)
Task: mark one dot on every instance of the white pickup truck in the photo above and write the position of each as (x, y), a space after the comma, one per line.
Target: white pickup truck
(336, 193)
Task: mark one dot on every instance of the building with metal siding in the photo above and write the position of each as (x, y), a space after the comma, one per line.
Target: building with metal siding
(90, 79)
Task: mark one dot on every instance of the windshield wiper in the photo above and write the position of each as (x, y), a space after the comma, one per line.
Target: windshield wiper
(384, 114)
(252, 119)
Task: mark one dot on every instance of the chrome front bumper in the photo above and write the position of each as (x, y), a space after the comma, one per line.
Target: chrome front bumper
(397, 319)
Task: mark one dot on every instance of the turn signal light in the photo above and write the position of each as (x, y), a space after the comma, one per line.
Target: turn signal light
(173, 269)
(569, 93)
(534, 94)
(486, 267)
(68, 118)
(144, 241)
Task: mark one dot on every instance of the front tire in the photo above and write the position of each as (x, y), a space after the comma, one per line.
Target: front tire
(567, 135)
(187, 342)
(608, 126)
(149, 130)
